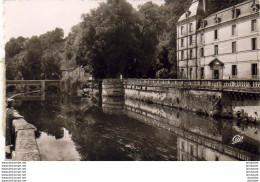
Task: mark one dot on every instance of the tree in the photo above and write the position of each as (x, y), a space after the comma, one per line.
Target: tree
(111, 43)
(51, 37)
(13, 67)
(36, 57)
(14, 50)
(31, 68)
(50, 66)
(152, 25)
(166, 62)
(14, 46)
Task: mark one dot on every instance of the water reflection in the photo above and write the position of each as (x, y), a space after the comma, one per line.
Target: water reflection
(113, 105)
(53, 149)
(199, 138)
(73, 128)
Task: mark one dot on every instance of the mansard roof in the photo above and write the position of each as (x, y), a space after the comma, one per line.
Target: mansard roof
(234, 12)
(196, 8)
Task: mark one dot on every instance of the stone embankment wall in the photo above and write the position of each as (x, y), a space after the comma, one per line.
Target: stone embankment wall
(205, 102)
(25, 145)
(112, 88)
(211, 100)
(198, 101)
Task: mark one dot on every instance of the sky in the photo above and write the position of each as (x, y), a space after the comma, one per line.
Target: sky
(35, 17)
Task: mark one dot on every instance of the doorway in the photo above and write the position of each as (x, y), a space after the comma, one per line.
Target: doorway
(216, 74)
(217, 69)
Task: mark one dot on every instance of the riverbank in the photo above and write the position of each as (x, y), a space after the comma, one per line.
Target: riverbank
(239, 115)
(214, 99)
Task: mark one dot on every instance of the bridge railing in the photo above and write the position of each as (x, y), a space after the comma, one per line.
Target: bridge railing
(31, 81)
(239, 85)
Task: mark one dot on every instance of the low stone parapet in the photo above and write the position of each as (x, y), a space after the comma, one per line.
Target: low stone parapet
(26, 148)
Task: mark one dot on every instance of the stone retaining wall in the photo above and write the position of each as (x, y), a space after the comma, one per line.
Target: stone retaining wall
(197, 101)
(211, 101)
(205, 102)
(26, 148)
(25, 145)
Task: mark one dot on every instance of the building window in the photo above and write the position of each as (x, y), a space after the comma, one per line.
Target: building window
(202, 52)
(235, 13)
(216, 49)
(234, 71)
(182, 30)
(191, 40)
(254, 70)
(202, 38)
(253, 25)
(182, 42)
(182, 55)
(182, 143)
(191, 27)
(253, 43)
(182, 73)
(191, 150)
(190, 53)
(190, 73)
(203, 23)
(216, 158)
(216, 34)
(202, 73)
(234, 47)
(234, 29)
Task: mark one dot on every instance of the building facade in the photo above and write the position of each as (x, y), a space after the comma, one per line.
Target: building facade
(220, 45)
(76, 73)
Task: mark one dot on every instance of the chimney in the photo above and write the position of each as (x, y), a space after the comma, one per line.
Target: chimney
(204, 6)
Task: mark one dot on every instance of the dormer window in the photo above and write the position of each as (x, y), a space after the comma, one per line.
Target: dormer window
(203, 23)
(217, 20)
(255, 8)
(187, 13)
(235, 13)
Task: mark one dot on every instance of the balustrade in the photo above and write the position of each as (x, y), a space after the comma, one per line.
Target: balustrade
(236, 85)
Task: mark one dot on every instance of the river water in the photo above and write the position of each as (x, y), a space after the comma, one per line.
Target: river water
(73, 128)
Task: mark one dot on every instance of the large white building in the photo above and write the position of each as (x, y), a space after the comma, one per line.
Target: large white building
(220, 45)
